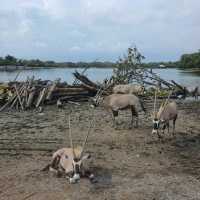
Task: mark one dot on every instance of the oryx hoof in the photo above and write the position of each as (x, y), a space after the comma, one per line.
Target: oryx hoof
(72, 181)
(115, 127)
(92, 178)
(159, 136)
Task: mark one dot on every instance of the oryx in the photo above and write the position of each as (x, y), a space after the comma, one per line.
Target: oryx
(70, 160)
(115, 102)
(167, 112)
(196, 92)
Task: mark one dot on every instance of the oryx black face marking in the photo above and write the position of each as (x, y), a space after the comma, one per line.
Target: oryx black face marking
(77, 164)
(156, 124)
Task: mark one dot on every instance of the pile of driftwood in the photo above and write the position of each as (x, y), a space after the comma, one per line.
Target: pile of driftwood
(36, 93)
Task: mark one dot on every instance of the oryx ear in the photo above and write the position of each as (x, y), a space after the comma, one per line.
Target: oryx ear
(86, 156)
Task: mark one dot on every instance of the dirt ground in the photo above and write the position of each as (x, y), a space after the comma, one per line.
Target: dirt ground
(128, 163)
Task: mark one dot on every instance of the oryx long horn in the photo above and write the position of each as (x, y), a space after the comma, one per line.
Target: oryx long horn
(154, 106)
(85, 141)
(99, 93)
(70, 135)
(167, 100)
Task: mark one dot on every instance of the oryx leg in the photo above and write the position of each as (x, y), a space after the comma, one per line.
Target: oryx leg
(55, 166)
(88, 174)
(134, 113)
(163, 128)
(174, 124)
(166, 125)
(159, 136)
(114, 114)
(113, 117)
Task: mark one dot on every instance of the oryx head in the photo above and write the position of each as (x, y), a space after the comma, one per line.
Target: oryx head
(157, 119)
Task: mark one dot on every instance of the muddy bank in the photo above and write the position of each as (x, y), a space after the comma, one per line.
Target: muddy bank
(128, 163)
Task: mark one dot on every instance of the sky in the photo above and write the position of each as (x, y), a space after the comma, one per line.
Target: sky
(86, 30)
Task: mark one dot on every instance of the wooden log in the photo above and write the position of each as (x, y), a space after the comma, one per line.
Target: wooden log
(19, 97)
(8, 103)
(71, 102)
(69, 89)
(58, 95)
(51, 89)
(15, 100)
(31, 97)
(76, 81)
(177, 85)
(85, 80)
(153, 76)
(41, 97)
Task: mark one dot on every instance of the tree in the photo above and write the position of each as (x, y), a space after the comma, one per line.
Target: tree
(127, 66)
(190, 60)
(11, 60)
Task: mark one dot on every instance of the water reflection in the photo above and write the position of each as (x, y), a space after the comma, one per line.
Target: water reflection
(193, 72)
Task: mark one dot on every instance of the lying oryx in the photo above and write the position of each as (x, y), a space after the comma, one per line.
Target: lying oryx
(70, 161)
(128, 89)
(116, 102)
(167, 112)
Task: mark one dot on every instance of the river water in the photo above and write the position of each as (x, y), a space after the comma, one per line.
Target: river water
(186, 78)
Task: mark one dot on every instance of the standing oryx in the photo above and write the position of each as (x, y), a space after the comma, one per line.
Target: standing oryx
(70, 161)
(115, 102)
(167, 111)
(196, 92)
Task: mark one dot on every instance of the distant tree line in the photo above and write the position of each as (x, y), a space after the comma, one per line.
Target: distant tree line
(186, 61)
(169, 64)
(190, 60)
(12, 61)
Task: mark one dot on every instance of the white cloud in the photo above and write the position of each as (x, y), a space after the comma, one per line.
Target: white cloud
(106, 28)
(75, 48)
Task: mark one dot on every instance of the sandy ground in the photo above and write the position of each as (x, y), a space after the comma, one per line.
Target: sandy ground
(128, 163)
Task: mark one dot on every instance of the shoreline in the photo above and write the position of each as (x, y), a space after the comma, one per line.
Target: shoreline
(13, 68)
